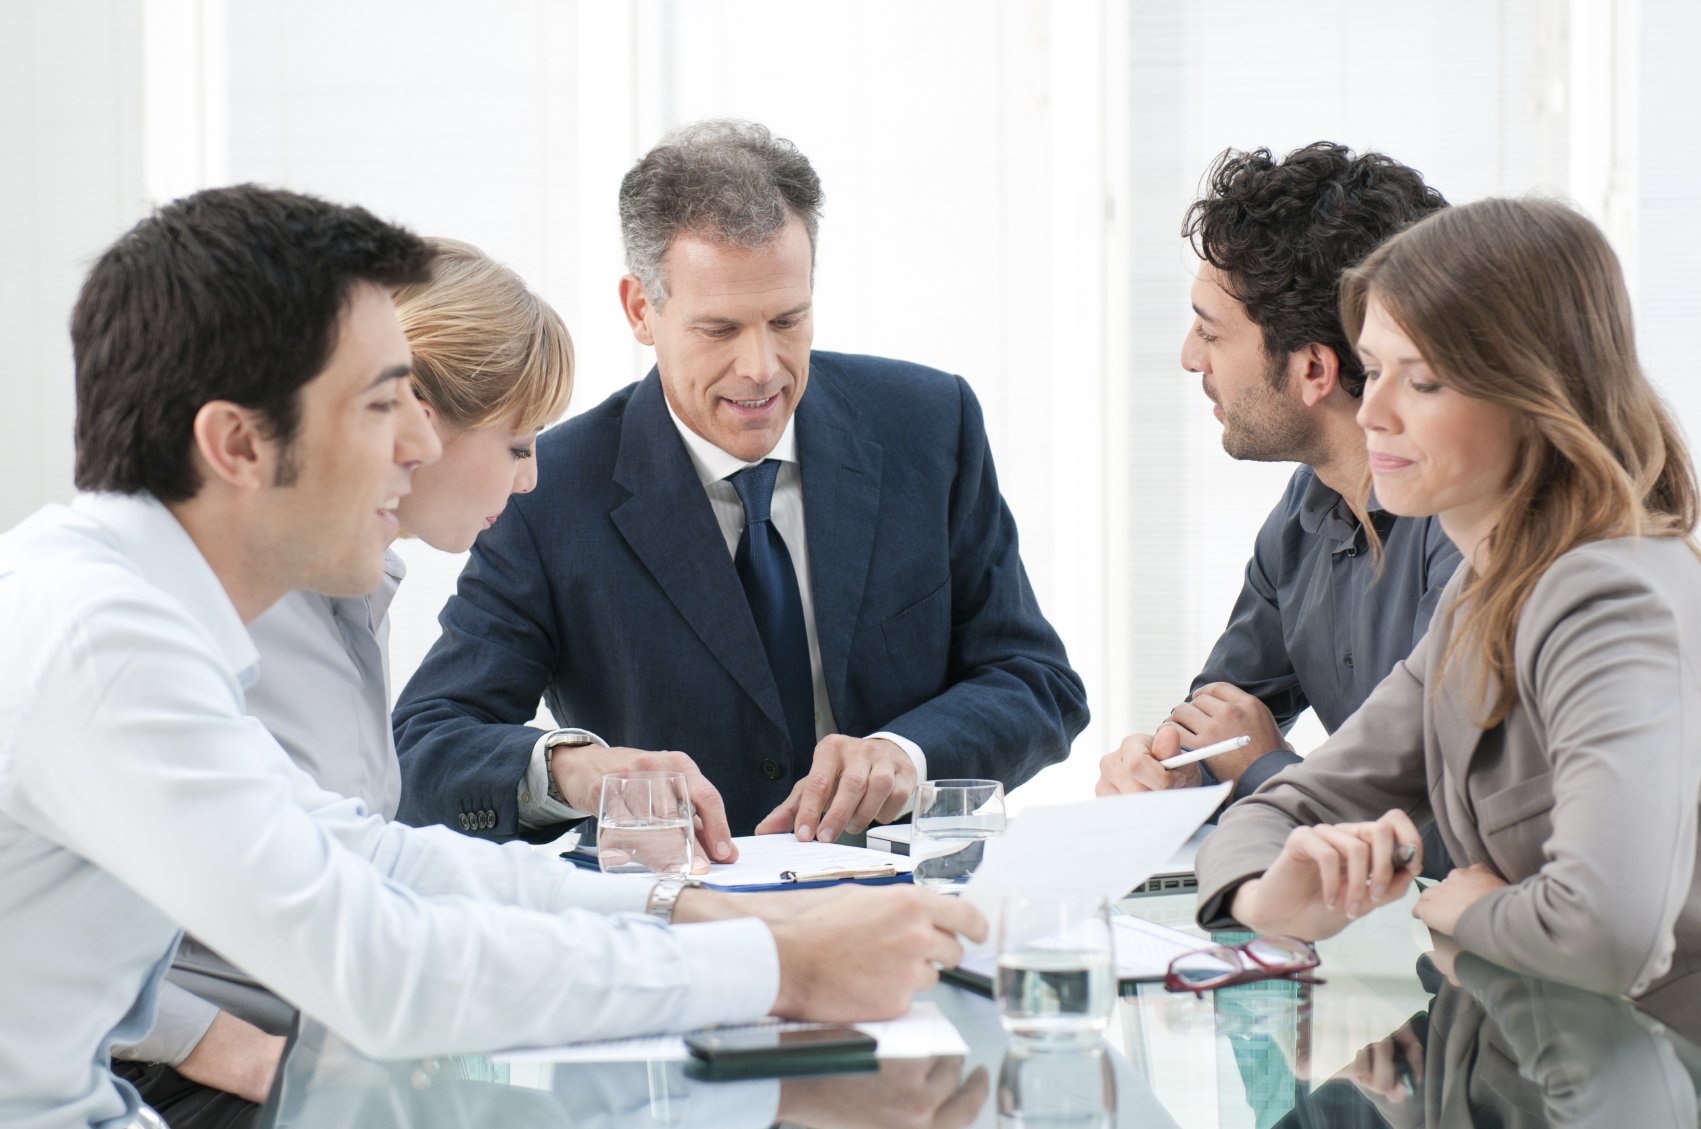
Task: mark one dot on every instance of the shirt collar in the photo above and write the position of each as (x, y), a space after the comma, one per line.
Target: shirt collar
(163, 552)
(1323, 511)
(713, 464)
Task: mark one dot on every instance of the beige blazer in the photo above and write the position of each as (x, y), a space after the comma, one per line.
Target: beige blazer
(1585, 798)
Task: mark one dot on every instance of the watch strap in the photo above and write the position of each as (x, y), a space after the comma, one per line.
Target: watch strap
(556, 741)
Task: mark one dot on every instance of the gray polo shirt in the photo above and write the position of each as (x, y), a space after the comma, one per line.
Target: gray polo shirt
(1316, 625)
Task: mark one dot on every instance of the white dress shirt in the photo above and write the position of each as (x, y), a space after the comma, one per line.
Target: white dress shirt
(714, 466)
(324, 694)
(136, 796)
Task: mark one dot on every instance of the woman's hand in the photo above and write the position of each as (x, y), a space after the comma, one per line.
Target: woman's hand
(1328, 875)
(1441, 906)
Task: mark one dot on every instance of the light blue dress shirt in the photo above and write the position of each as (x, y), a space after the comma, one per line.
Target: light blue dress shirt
(137, 796)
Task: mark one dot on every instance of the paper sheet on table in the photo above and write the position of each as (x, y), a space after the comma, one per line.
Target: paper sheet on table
(1144, 949)
(923, 1033)
(1105, 846)
(761, 858)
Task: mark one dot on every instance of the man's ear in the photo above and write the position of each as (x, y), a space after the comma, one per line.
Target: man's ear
(635, 303)
(1316, 371)
(230, 445)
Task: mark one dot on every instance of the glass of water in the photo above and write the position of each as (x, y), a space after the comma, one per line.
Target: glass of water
(953, 820)
(1056, 966)
(644, 824)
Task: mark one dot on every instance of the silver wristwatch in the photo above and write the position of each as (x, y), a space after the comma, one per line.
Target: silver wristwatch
(664, 897)
(571, 740)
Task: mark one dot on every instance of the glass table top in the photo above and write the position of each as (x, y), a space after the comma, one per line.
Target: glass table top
(1397, 1036)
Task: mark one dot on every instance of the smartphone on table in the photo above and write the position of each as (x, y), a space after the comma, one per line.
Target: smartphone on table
(766, 1050)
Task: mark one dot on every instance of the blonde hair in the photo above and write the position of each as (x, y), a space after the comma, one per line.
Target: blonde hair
(1522, 303)
(485, 348)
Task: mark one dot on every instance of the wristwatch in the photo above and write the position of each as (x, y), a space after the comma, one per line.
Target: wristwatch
(664, 897)
(572, 740)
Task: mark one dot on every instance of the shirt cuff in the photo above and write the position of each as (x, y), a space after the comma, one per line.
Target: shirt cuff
(1259, 772)
(536, 808)
(181, 1019)
(917, 758)
(733, 968)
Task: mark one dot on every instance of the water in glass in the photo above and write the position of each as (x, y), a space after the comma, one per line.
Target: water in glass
(953, 820)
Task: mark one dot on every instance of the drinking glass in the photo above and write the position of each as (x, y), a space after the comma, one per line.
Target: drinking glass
(953, 819)
(644, 824)
(1056, 966)
(1045, 1085)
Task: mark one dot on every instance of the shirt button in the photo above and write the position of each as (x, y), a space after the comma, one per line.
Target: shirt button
(1353, 551)
(770, 769)
(1349, 661)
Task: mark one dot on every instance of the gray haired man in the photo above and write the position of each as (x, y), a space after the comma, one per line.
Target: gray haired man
(793, 565)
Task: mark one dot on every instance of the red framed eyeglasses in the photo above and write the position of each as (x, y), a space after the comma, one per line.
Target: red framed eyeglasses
(1262, 958)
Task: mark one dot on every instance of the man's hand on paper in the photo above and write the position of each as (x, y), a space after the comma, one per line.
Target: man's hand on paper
(905, 1093)
(852, 783)
(1219, 711)
(1328, 875)
(578, 772)
(863, 954)
(1136, 765)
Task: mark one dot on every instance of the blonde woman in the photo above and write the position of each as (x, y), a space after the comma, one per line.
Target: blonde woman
(1550, 719)
(492, 365)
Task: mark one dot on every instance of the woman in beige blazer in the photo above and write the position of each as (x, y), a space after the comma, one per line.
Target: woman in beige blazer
(1551, 719)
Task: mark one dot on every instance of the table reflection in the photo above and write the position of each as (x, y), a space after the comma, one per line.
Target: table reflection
(1047, 1084)
(1398, 1037)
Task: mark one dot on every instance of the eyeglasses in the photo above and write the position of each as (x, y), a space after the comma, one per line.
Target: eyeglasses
(1262, 958)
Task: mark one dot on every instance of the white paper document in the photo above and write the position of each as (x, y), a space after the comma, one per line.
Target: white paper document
(1104, 846)
(1144, 949)
(763, 858)
(923, 1033)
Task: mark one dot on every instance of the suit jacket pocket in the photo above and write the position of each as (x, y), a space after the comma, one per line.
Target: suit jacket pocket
(1523, 800)
(924, 626)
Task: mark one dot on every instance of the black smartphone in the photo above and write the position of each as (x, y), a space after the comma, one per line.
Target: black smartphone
(767, 1052)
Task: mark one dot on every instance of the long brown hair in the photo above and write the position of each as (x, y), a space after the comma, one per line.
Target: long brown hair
(1522, 303)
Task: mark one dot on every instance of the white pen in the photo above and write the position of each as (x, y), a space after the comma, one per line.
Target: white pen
(1194, 756)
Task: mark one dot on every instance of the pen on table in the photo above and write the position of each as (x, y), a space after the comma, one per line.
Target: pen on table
(834, 874)
(1194, 756)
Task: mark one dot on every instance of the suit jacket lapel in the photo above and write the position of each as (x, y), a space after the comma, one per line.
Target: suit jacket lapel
(1457, 707)
(841, 505)
(670, 525)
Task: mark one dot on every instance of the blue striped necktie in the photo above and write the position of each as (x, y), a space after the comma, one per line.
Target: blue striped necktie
(770, 584)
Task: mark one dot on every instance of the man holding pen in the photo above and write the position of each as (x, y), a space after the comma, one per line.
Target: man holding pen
(1319, 621)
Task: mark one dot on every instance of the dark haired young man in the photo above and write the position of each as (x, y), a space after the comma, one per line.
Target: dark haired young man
(1318, 623)
(245, 427)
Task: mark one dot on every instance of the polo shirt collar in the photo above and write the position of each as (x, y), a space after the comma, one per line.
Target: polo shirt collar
(151, 537)
(713, 464)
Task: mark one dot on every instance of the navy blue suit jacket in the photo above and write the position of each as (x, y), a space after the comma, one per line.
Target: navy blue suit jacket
(609, 591)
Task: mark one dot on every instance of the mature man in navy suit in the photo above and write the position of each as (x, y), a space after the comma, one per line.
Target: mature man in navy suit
(818, 598)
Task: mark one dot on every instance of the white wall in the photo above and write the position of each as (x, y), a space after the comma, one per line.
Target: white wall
(70, 182)
(1005, 182)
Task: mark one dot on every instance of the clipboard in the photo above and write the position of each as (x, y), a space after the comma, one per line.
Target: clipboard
(812, 865)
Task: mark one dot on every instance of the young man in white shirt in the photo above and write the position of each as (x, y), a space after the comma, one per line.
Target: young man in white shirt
(245, 427)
